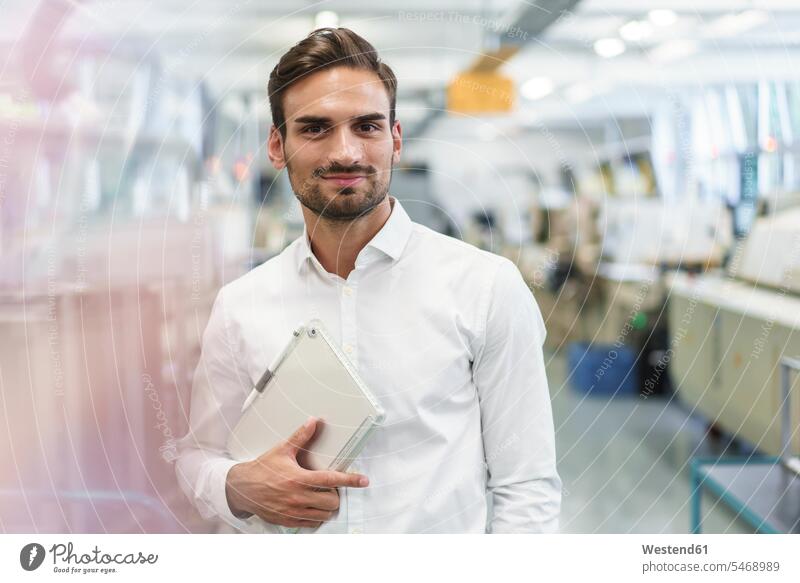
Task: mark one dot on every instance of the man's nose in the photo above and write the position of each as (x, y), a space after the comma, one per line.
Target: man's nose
(346, 148)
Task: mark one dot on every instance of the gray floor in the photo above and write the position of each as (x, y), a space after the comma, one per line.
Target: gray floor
(625, 463)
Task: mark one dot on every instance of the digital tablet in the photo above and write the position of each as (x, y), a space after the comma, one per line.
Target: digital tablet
(311, 377)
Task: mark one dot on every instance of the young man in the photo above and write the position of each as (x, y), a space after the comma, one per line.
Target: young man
(447, 337)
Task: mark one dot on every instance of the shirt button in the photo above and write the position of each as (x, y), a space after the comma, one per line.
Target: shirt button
(348, 291)
(355, 530)
(348, 349)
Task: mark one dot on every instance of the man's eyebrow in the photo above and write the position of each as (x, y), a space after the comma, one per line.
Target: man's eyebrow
(312, 119)
(376, 116)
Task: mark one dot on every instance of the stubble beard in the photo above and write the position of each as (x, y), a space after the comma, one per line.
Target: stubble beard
(348, 203)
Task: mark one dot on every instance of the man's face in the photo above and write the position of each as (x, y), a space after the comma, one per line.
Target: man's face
(339, 147)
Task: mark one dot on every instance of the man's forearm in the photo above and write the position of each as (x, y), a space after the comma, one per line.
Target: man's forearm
(237, 502)
(526, 507)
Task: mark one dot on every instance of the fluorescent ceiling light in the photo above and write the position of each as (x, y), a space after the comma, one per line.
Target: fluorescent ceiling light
(537, 88)
(636, 30)
(733, 24)
(326, 19)
(672, 50)
(662, 17)
(609, 47)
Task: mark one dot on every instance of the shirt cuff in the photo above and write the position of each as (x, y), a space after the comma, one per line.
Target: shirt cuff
(216, 500)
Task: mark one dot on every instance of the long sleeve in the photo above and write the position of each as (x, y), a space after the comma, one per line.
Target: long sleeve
(516, 413)
(220, 386)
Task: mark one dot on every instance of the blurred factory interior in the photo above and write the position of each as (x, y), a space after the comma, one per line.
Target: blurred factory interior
(639, 162)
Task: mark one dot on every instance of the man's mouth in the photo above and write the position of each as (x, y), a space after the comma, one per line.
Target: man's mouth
(344, 180)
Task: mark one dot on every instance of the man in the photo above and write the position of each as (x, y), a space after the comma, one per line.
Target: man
(447, 337)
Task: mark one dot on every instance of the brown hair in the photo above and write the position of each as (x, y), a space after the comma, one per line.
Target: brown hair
(322, 49)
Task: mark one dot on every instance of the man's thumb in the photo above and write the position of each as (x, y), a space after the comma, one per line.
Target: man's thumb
(301, 436)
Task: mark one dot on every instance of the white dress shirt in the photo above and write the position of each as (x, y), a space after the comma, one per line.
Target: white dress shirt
(449, 340)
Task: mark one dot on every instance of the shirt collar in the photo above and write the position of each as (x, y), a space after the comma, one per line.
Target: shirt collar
(390, 240)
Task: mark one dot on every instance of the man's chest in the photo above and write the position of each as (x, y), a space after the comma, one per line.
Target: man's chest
(412, 349)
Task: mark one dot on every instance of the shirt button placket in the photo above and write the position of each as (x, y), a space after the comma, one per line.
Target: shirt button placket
(355, 496)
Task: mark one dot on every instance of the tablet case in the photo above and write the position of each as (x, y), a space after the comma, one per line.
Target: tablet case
(310, 378)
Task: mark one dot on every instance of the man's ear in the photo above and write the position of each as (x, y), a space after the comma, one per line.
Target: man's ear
(275, 149)
(397, 142)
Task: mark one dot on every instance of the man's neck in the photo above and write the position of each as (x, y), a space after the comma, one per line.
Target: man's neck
(336, 244)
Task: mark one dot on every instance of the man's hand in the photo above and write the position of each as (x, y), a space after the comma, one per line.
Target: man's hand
(277, 489)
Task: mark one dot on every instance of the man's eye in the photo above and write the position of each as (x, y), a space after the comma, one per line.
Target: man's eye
(367, 127)
(314, 130)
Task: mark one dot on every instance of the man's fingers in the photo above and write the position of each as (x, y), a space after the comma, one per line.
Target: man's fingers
(296, 523)
(330, 479)
(296, 517)
(314, 514)
(327, 500)
(301, 436)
